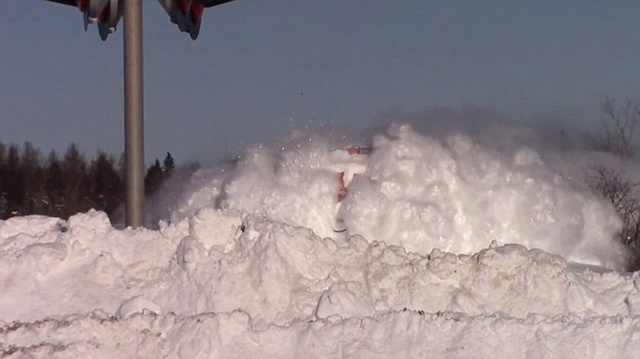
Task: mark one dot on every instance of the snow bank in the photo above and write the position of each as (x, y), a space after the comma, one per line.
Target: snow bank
(452, 250)
(223, 284)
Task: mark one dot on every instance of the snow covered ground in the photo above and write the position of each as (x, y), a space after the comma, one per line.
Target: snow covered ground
(455, 247)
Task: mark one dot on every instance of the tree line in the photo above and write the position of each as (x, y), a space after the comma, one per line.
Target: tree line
(61, 186)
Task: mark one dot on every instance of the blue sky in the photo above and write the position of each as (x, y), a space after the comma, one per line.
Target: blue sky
(262, 67)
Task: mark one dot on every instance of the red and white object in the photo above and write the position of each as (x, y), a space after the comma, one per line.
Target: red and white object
(187, 14)
(106, 13)
(346, 176)
(350, 163)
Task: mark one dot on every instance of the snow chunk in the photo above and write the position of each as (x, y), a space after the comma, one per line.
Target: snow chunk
(135, 305)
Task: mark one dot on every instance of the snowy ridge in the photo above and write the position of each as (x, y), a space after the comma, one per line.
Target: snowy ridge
(254, 282)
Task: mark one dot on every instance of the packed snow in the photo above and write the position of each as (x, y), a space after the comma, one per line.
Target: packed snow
(444, 246)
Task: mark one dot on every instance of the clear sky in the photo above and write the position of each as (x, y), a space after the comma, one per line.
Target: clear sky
(261, 67)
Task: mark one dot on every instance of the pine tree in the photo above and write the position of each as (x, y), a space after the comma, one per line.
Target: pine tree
(54, 185)
(154, 177)
(105, 184)
(32, 174)
(168, 165)
(3, 185)
(75, 180)
(14, 184)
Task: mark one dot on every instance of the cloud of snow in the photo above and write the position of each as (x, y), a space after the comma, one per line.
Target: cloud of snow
(456, 187)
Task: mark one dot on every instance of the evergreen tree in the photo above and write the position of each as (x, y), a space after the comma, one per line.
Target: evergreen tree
(3, 185)
(105, 184)
(32, 174)
(76, 183)
(54, 185)
(122, 166)
(154, 177)
(3, 155)
(168, 165)
(14, 184)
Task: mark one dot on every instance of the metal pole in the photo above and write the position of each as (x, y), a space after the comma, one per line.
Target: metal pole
(133, 113)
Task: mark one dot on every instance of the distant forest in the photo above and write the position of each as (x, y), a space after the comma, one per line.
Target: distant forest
(63, 186)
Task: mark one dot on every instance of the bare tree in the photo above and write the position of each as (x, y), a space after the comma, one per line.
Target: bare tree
(613, 185)
(619, 128)
(625, 197)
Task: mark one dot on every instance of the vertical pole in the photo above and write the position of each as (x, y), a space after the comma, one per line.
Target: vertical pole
(133, 113)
